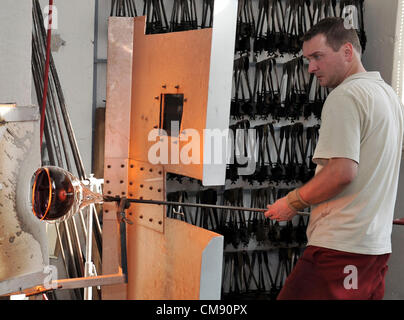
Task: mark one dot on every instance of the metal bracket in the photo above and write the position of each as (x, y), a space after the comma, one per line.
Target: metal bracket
(123, 205)
(17, 114)
(146, 182)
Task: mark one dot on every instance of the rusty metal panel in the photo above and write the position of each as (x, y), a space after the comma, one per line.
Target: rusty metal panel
(119, 87)
(111, 254)
(115, 184)
(146, 182)
(165, 266)
(116, 177)
(117, 136)
(164, 255)
(173, 63)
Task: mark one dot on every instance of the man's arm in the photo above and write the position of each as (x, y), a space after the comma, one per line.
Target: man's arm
(336, 175)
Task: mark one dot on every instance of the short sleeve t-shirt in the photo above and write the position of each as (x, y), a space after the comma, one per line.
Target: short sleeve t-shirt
(361, 120)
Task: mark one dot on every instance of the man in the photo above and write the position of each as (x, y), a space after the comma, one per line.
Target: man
(354, 189)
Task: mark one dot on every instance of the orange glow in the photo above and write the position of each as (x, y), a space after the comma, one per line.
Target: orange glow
(180, 65)
(34, 189)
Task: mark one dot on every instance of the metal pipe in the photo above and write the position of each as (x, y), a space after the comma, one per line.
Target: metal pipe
(197, 205)
(95, 74)
(73, 272)
(62, 250)
(68, 126)
(210, 206)
(88, 267)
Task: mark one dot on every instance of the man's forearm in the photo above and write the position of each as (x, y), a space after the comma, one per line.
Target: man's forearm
(336, 175)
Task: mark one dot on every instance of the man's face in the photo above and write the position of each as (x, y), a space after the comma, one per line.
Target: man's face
(328, 66)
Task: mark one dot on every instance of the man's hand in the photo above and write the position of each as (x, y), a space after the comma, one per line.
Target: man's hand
(280, 211)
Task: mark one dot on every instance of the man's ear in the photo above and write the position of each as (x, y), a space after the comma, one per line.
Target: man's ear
(348, 51)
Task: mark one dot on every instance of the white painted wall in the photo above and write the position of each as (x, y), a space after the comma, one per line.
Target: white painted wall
(15, 52)
(381, 27)
(74, 63)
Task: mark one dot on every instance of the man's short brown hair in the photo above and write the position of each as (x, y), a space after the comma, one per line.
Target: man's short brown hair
(335, 32)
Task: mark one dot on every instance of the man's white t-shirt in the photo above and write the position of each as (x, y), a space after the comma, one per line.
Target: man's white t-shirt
(361, 120)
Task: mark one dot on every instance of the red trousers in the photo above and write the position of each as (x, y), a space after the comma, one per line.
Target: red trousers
(328, 274)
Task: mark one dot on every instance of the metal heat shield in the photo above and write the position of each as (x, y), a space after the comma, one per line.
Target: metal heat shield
(153, 80)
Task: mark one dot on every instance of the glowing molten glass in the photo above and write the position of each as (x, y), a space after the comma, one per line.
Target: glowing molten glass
(57, 194)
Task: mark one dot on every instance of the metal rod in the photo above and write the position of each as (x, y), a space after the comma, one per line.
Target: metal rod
(88, 291)
(73, 270)
(197, 205)
(84, 282)
(201, 205)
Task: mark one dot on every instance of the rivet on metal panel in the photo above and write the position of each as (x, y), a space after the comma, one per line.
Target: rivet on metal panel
(146, 180)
